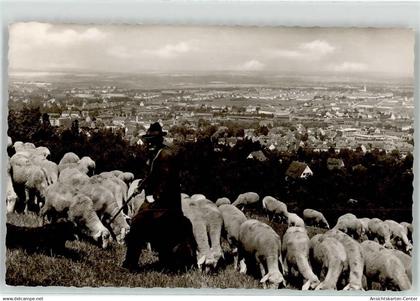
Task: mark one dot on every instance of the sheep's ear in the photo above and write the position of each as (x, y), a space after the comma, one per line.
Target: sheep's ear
(265, 278)
(306, 286)
(201, 260)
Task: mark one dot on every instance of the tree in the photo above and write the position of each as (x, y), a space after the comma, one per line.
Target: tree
(262, 130)
(23, 124)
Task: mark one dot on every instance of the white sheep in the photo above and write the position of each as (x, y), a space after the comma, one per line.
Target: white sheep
(232, 221)
(222, 201)
(354, 258)
(259, 241)
(207, 223)
(315, 218)
(106, 208)
(247, 198)
(406, 260)
(63, 201)
(30, 182)
(295, 251)
(274, 208)
(380, 232)
(293, 220)
(330, 257)
(399, 235)
(382, 266)
(350, 224)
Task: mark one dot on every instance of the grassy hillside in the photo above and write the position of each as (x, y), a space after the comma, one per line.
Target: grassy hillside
(85, 264)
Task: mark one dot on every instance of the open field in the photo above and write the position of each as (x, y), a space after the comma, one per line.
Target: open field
(85, 264)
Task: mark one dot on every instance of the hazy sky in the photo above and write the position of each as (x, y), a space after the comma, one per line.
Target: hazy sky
(130, 48)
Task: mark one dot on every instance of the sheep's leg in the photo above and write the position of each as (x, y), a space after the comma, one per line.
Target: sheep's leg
(285, 267)
(243, 267)
(27, 200)
(262, 269)
(235, 257)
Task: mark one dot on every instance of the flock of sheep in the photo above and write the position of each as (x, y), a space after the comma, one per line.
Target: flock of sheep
(351, 255)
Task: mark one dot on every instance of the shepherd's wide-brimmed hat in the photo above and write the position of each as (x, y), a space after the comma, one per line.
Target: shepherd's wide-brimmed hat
(155, 130)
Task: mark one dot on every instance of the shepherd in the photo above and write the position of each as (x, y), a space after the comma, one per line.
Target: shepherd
(160, 220)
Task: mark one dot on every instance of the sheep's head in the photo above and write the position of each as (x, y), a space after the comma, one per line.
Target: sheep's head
(103, 238)
(274, 279)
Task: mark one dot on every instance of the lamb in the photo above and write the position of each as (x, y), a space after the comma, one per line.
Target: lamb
(350, 224)
(315, 218)
(295, 251)
(399, 235)
(247, 198)
(293, 220)
(330, 256)
(232, 221)
(274, 208)
(383, 267)
(379, 231)
(222, 201)
(354, 258)
(207, 222)
(50, 238)
(62, 201)
(259, 241)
